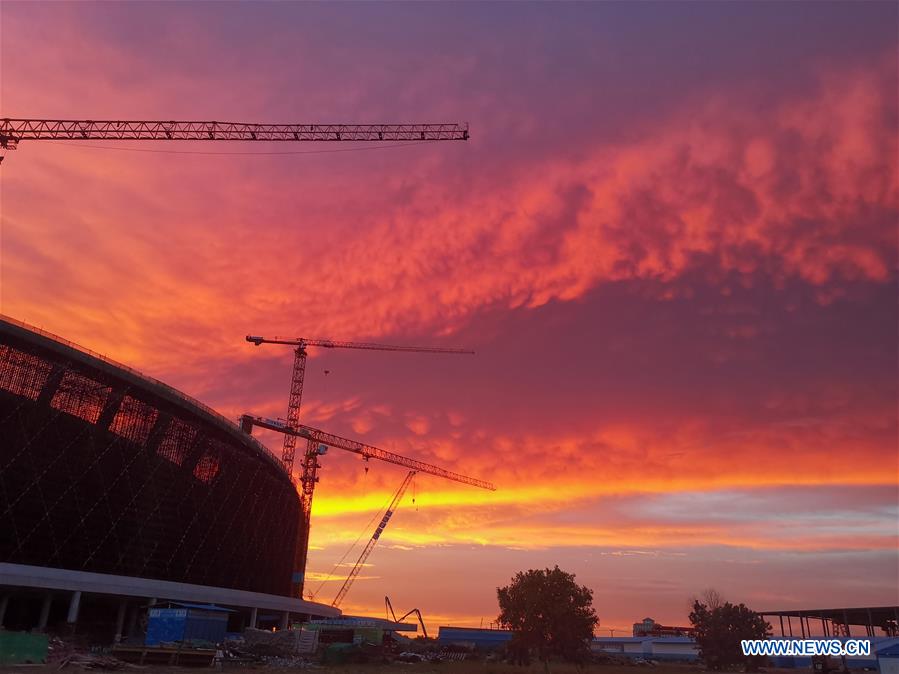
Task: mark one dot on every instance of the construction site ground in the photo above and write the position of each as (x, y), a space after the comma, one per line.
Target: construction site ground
(473, 667)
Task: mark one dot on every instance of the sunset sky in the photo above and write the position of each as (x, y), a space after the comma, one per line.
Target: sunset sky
(671, 240)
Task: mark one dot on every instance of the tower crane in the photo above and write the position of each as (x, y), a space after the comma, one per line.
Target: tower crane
(310, 458)
(357, 567)
(299, 373)
(317, 443)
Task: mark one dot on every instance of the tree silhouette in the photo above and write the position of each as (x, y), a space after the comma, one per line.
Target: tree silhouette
(550, 615)
(719, 631)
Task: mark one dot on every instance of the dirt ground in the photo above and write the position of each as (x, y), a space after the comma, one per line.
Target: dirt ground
(396, 668)
(500, 668)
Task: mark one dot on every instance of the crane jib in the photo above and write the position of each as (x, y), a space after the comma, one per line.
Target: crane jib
(364, 450)
(12, 131)
(370, 452)
(303, 342)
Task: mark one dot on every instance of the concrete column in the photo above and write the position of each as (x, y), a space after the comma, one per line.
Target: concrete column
(254, 615)
(4, 602)
(157, 433)
(110, 409)
(132, 621)
(45, 613)
(54, 379)
(74, 605)
(285, 620)
(120, 620)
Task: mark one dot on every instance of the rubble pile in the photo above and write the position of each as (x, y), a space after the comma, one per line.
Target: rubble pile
(284, 643)
(64, 654)
(285, 648)
(296, 662)
(93, 661)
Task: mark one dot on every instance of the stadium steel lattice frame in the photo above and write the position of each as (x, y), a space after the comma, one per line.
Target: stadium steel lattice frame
(105, 470)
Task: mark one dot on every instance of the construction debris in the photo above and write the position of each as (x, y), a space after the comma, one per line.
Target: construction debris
(64, 654)
(94, 661)
(293, 663)
(283, 643)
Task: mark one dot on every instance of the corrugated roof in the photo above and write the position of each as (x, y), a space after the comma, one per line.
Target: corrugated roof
(205, 607)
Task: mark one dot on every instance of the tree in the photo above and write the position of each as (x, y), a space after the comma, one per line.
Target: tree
(712, 598)
(719, 631)
(549, 614)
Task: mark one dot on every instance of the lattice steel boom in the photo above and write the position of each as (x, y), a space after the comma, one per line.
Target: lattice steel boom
(317, 436)
(357, 567)
(12, 131)
(332, 344)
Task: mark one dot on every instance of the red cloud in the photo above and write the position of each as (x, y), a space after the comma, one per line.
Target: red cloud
(806, 189)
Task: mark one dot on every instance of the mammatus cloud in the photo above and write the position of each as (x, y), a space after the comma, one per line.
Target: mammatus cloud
(805, 189)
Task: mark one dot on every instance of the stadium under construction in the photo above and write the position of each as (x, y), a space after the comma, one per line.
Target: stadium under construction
(118, 491)
(116, 487)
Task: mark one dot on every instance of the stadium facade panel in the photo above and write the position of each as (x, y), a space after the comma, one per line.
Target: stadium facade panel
(105, 470)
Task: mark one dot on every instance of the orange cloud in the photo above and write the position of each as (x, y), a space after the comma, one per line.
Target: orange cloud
(717, 181)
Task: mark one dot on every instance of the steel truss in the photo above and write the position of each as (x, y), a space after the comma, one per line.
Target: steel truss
(12, 131)
(101, 474)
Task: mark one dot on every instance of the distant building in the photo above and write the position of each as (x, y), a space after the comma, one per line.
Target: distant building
(472, 637)
(655, 648)
(650, 628)
(648, 647)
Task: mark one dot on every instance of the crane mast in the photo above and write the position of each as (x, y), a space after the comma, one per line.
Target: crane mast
(357, 567)
(293, 420)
